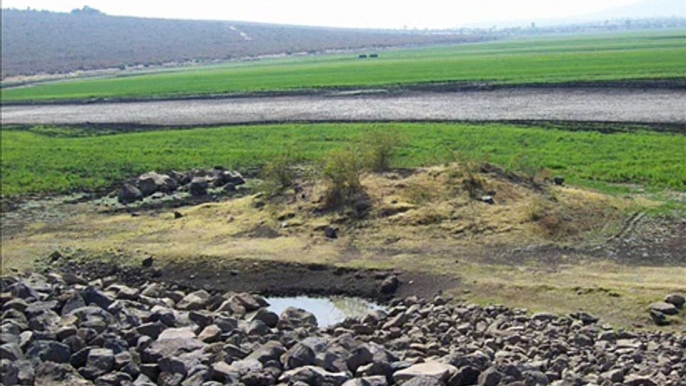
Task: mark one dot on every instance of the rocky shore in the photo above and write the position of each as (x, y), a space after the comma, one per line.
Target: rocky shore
(60, 329)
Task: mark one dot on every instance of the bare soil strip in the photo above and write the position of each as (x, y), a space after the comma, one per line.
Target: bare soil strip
(519, 104)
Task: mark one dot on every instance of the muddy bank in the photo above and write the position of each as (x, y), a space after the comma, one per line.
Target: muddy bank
(270, 278)
(628, 105)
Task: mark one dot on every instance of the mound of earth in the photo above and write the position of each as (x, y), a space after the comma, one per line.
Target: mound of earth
(62, 329)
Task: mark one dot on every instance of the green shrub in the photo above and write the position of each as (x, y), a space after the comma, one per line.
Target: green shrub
(379, 149)
(279, 173)
(342, 172)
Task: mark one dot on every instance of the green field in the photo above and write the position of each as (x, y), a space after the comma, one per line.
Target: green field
(58, 160)
(650, 55)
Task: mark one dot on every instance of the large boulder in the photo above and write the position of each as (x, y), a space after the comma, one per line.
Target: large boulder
(439, 371)
(664, 308)
(194, 301)
(129, 193)
(100, 361)
(198, 186)
(152, 182)
(298, 356)
(49, 351)
(677, 300)
(292, 318)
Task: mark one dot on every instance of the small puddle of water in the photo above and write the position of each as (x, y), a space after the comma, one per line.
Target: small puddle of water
(327, 310)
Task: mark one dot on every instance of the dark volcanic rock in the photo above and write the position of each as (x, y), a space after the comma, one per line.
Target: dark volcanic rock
(55, 333)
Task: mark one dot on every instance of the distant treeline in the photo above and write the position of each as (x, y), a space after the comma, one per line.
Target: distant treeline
(47, 42)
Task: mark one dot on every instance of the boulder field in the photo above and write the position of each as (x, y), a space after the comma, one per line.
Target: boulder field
(60, 329)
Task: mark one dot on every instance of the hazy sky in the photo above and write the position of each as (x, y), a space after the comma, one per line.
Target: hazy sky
(339, 13)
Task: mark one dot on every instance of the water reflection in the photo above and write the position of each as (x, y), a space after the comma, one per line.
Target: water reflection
(328, 310)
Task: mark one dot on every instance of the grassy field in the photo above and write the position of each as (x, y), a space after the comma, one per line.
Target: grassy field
(58, 160)
(650, 55)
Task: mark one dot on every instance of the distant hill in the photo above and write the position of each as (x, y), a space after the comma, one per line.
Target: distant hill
(47, 42)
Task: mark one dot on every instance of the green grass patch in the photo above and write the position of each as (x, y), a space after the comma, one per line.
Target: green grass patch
(50, 160)
(648, 55)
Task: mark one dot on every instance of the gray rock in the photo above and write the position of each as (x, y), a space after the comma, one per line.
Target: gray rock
(439, 371)
(664, 307)
(153, 330)
(490, 377)
(11, 351)
(465, 376)
(152, 182)
(210, 334)
(194, 301)
(292, 318)
(10, 372)
(390, 285)
(99, 362)
(269, 318)
(314, 376)
(114, 379)
(637, 380)
(423, 381)
(26, 374)
(198, 186)
(297, 356)
(677, 300)
(270, 351)
(129, 194)
(49, 351)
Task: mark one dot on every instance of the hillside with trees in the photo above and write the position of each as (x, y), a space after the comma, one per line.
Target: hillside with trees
(36, 42)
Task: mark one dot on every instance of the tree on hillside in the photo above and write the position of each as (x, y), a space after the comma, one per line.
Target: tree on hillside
(87, 11)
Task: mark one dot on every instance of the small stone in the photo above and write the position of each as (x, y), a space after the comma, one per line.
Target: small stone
(147, 262)
(210, 334)
(331, 232)
(488, 200)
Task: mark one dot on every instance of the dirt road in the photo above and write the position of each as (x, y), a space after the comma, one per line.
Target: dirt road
(553, 104)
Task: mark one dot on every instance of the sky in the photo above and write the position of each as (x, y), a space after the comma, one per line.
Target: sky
(434, 14)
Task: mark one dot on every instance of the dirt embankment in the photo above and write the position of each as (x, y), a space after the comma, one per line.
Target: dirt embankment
(629, 105)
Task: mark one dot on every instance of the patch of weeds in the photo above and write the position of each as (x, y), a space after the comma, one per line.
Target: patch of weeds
(380, 148)
(525, 165)
(468, 169)
(279, 173)
(342, 172)
(419, 194)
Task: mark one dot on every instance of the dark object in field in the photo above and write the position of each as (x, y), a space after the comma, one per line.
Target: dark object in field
(363, 56)
(129, 194)
(559, 181)
(198, 187)
(331, 232)
(54, 256)
(147, 262)
(677, 300)
(374, 55)
(390, 285)
(177, 215)
(488, 200)
(659, 318)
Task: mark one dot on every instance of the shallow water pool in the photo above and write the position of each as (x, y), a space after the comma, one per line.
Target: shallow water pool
(327, 310)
